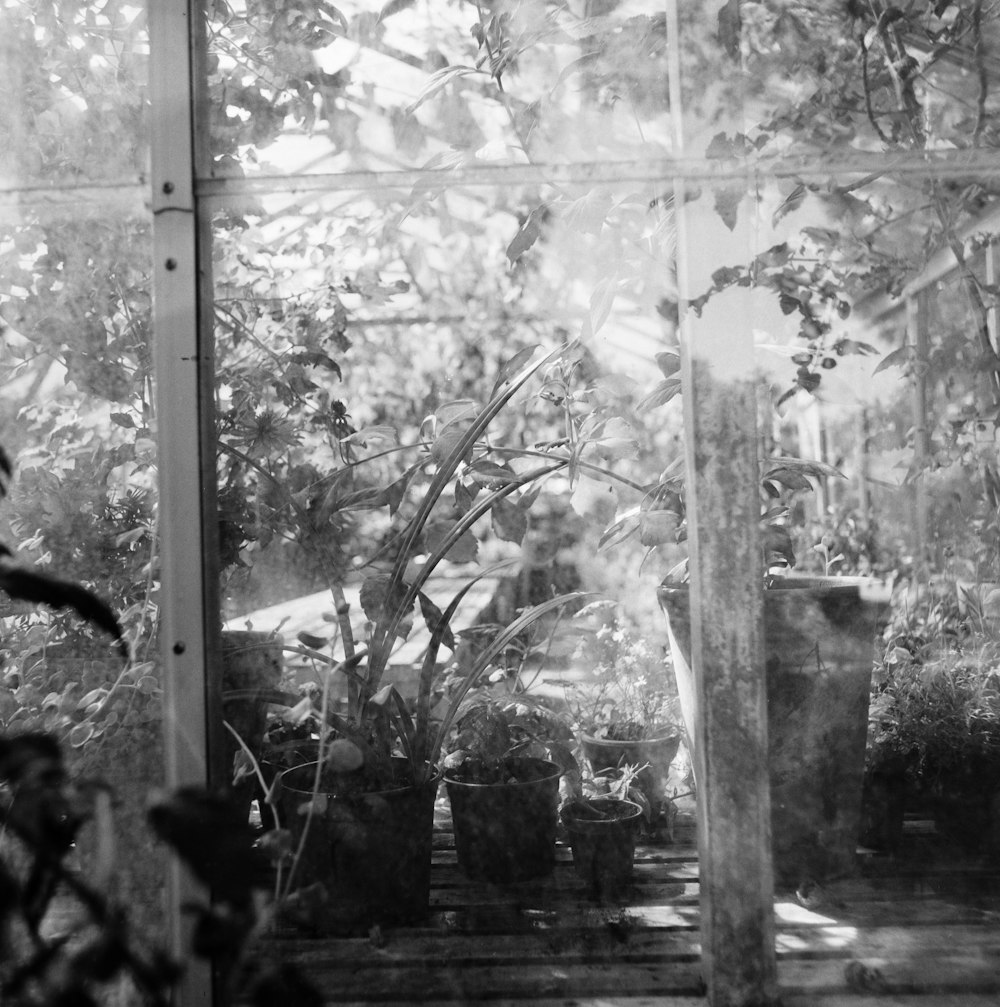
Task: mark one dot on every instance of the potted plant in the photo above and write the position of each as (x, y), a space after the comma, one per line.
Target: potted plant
(603, 824)
(935, 732)
(626, 706)
(364, 807)
(502, 780)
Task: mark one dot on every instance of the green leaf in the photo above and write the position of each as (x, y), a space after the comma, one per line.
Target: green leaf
(660, 395)
(528, 233)
(81, 734)
(510, 521)
(778, 545)
(619, 531)
(788, 478)
(791, 202)
(123, 420)
(727, 202)
(805, 466)
(899, 357)
(669, 362)
(726, 276)
(788, 304)
(42, 588)
(729, 26)
(511, 367)
(381, 601)
(437, 81)
(490, 474)
(657, 527)
(843, 347)
(601, 301)
(464, 550)
(435, 621)
(448, 437)
(94, 696)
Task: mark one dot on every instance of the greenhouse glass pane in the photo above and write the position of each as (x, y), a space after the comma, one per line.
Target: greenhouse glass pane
(79, 427)
(791, 203)
(319, 89)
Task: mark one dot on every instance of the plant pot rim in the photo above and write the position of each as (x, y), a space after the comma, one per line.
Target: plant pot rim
(432, 781)
(585, 824)
(555, 772)
(874, 588)
(668, 734)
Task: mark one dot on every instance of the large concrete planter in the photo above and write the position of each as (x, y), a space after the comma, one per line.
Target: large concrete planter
(819, 638)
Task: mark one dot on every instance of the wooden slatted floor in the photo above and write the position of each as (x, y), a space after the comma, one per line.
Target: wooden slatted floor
(923, 929)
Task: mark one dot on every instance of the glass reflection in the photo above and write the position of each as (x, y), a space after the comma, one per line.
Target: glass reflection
(320, 89)
(79, 424)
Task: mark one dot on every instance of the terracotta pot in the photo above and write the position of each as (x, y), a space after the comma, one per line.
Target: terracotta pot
(603, 844)
(506, 832)
(659, 753)
(819, 641)
(371, 852)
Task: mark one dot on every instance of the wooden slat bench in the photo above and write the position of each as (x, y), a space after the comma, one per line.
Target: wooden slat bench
(904, 932)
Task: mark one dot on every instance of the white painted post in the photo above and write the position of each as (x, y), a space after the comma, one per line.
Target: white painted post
(182, 361)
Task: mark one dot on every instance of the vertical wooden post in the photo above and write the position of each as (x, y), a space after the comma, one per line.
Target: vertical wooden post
(737, 912)
(727, 585)
(182, 361)
(916, 335)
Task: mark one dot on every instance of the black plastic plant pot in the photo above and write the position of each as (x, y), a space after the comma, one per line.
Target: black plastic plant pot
(506, 832)
(371, 852)
(602, 833)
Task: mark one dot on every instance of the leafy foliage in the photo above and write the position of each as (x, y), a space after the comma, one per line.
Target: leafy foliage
(628, 694)
(86, 957)
(935, 710)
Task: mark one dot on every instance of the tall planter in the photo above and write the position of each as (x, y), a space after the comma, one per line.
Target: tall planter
(819, 638)
(506, 832)
(370, 851)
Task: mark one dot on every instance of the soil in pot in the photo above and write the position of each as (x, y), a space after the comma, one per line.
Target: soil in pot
(506, 832)
(370, 851)
(656, 754)
(602, 833)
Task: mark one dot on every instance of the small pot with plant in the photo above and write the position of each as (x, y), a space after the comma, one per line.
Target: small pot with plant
(602, 825)
(935, 729)
(625, 705)
(503, 786)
